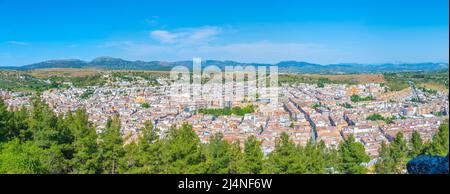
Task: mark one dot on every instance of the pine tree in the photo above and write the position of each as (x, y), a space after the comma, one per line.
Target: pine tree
(253, 156)
(144, 156)
(314, 158)
(182, 152)
(399, 151)
(111, 146)
(217, 152)
(352, 156)
(385, 164)
(440, 142)
(131, 163)
(285, 159)
(416, 145)
(47, 131)
(331, 160)
(28, 158)
(43, 123)
(20, 124)
(86, 150)
(4, 121)
(236, 165)
(149, 134)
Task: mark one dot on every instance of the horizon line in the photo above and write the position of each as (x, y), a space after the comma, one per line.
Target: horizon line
(203, 60)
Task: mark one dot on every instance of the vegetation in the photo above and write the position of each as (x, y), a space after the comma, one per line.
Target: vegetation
(378, 117)
(320, 81)
(439, 145)
(135, 75)
(229, 111)
(345, 105)
(393, 157)
(352, 156)
(19, 81)
(41, 80)
(375, 117)
(428, 90)
(38, 141)
(357, 98)
(399, 81)
(394, 81)
(77, 81)
(315, 106)
(87, 94)
(145, 105)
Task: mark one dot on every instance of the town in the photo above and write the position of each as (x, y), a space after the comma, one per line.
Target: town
(306, 112)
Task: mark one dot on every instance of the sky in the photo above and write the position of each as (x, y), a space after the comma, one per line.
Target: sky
(317, 31)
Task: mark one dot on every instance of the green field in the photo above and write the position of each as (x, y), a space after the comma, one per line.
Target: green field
(43, 79)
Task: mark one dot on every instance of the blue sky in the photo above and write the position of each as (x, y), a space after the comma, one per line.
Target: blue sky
(319, 31)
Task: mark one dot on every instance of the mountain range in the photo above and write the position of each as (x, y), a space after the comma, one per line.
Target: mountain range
(284, 66)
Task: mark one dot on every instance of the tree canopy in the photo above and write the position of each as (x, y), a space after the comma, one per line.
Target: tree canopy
(36, 140)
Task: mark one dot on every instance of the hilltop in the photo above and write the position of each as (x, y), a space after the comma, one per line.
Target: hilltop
(284, 66)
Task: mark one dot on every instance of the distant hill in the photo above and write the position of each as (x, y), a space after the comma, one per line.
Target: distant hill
(284, 67)
(66, 63)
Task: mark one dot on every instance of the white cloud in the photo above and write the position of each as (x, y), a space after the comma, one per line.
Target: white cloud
(260, 52)
(165, 36)
(18, 43)
(186, 37)
(184, 44)
(203, 34)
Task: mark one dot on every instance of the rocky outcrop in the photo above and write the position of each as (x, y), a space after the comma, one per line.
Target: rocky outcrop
(426, 164)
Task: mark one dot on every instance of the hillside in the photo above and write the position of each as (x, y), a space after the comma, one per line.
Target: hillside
(284, 67)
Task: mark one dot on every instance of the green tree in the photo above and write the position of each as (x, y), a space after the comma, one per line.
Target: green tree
(43, 123)
(182, 152)
(416, 144)
(145, 105)
(331, 160)
(375, 117)
(357, 98)
(4, 121)
(314, 158)
(399, 151)
(236, 165)
(385, 164)
(28, 158)
(218, 157)
(149, 134)
(20, 124)
(132, 160)
(352, 155)
(253, 156)
(86, 159)
(144, 156)
(49, 132)
(439, 144)
(111, 146)
(286, 158)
